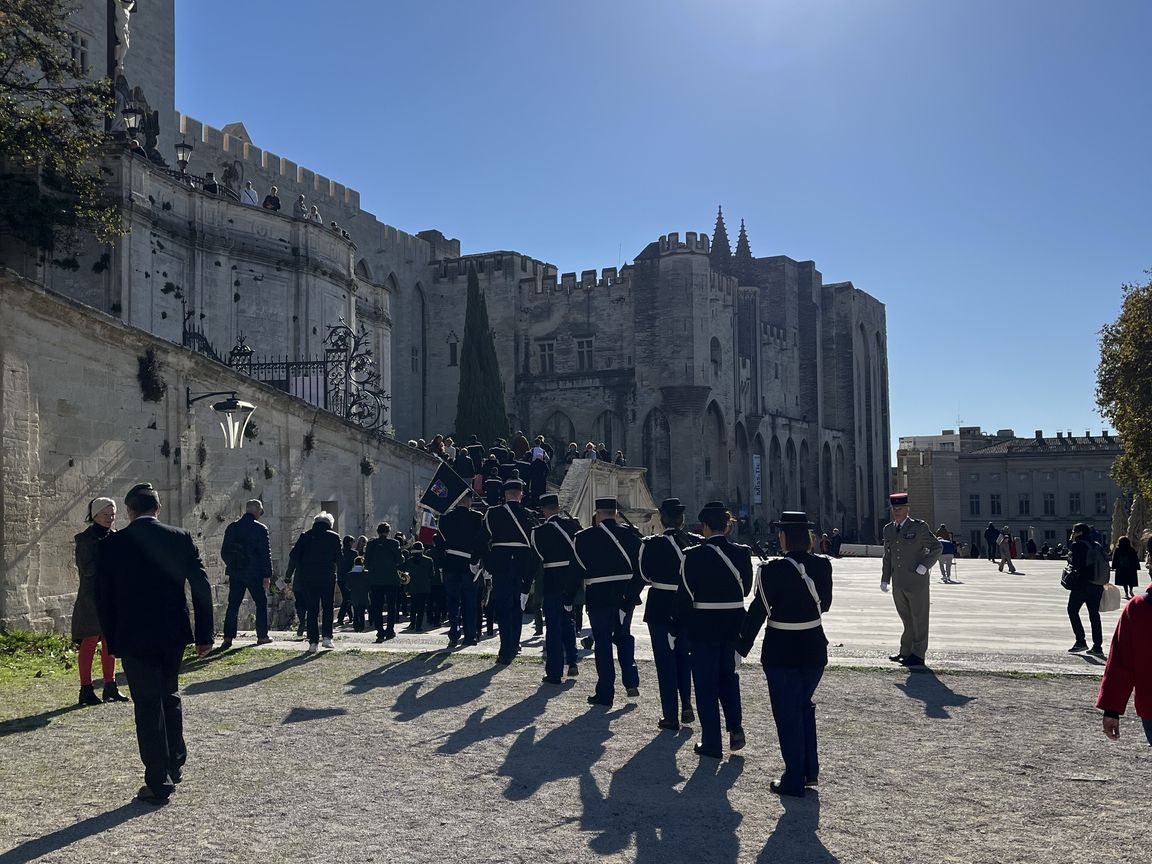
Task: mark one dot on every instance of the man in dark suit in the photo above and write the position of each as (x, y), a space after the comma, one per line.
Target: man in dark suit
(144, 615)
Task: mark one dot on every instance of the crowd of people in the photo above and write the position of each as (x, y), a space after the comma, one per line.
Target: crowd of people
(490, 555)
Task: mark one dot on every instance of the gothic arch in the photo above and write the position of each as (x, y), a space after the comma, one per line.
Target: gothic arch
(656, 444)
(559, 431)
(791, 495)
(805, 476)
(716, 355)
(364, 270)
(608, 429)
(715, 440)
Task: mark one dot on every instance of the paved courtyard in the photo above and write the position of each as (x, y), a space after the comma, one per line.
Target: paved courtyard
(991, 621)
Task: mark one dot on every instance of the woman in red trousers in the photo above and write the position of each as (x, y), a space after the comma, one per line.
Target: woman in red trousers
(85, 622)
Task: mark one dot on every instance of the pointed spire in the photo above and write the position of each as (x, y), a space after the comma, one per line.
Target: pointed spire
(742, 262)
(721, 253)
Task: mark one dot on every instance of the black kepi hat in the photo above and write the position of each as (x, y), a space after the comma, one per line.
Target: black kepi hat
(672, 506)
(514, 483)
(792, 519)
(717, 508)
(606, 504)
(898, 499)
(549, 499)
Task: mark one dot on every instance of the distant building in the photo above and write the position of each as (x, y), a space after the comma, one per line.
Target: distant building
(1039, 487)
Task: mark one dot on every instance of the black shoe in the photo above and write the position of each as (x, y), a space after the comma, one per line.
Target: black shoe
(668, 725)
(468, 642)
(504, 661)
(686, 716)
(147, 796)
(175, 774)
(573, 670)
(776, 789)
(452, 643)
(380, 637)
(112, 694)
(896, 658)
(299, 632)
(812, 782)
(736, 739)
(712, 754)
(224, 645)
(912, 660)
(596, 700)
(1078, 647)
(586, 643)
(549, 680)
(633, 692)
(1096, 651)
(88, 696)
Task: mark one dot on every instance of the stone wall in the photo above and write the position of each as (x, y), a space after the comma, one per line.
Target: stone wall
(74, 425)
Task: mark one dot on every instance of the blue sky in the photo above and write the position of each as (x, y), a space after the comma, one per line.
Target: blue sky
(981, 166)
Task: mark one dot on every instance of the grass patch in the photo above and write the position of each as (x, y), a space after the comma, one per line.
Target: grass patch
(25, 655)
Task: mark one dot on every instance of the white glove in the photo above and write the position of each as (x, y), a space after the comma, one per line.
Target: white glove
(671, 642)
(921, 569)
(523, 601)
(623, 615)
(567, 608)
(884, 586)
(475, 568)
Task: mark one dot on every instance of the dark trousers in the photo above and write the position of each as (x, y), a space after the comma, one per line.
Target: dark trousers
(1086, 595)
(345, 600)
(236, 589)
(154, 681)
(717, 685)
(559, 636)
(608, 631)
(379, 597)
(790, 691)
(319, 600)
(419, 605)
(357, 616)
(436, 604)
(506, 610)
(673, 672)
(1148, 730)
(463, 603)
(991, 549)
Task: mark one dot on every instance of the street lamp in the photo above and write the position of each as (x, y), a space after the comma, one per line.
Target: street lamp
(133, 115)
(234, 415)
(183, 155)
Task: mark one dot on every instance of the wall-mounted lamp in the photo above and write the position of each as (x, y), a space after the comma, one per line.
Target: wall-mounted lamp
(234, 414)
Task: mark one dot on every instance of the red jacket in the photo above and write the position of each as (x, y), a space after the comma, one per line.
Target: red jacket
(1130, 660)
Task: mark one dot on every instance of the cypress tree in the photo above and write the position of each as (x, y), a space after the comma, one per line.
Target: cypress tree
(480, 402)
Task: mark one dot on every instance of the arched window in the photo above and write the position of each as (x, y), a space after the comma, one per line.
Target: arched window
(717, 359)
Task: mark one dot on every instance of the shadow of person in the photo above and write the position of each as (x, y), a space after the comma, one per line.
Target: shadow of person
(74, 833)
(304, 715)
(937, 696)
(34, 721)
(643, 803)
(248, 677)
(478, 728)
(399, 671)
(450, 694)
(794, 837)
(569, 750)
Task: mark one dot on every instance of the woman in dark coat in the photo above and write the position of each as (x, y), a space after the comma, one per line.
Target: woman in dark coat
(85, 622)
(1125, 562)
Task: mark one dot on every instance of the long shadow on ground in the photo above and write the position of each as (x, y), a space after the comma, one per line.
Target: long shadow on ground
(399, 671)
(34, 721)
(478, 728)
(937, 696)
(411, 705)
(57, 840)
(794, 837)
(251, 676)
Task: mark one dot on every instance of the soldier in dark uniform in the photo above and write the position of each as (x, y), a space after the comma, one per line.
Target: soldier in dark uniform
(910, 552)
(493, 492)
(660, 559)
(458, 538)
(608, 552)
(512, 562)
(715, 578)
(554, 542)
(791, 594)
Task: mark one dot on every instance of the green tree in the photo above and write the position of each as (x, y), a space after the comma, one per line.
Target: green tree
(51, 130)
(1124, 386)
(480, 402)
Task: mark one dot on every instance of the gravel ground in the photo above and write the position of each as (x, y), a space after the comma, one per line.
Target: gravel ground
(348, 757)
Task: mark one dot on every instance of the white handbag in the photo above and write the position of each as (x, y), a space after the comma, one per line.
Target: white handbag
(1111, 599)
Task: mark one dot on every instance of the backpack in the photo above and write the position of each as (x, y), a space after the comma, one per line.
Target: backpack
(1099, 567)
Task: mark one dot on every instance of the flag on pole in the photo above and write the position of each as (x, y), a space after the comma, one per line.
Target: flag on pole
(444, 492)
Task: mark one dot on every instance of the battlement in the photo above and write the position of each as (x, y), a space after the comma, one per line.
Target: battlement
(543, 278)
(777, 335)
(210, 142)
(671, 244)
